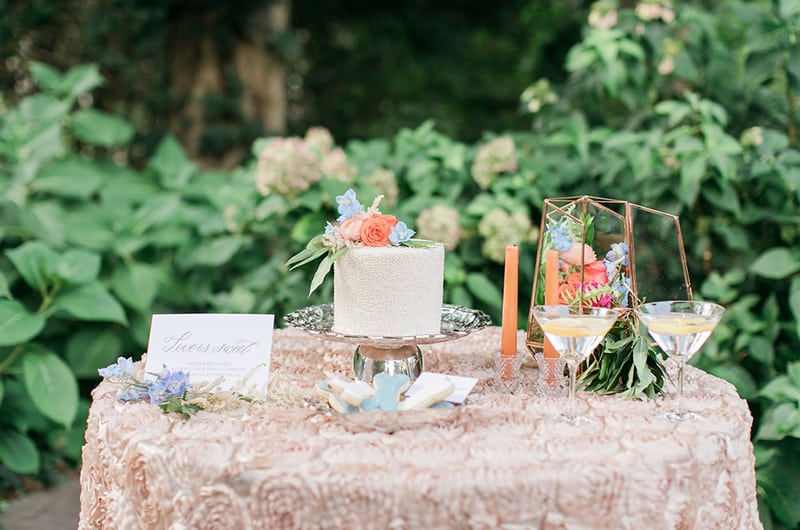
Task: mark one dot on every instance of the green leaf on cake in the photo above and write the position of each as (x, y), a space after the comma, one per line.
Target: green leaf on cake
(325, 267)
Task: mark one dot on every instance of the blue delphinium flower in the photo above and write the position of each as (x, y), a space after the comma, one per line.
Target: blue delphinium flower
(348, 205)
(400, 233)
(176, 382)
(132, 394)
(615, 258)
(621, 286)
(560, 237)
(158, 392)
(122, 368)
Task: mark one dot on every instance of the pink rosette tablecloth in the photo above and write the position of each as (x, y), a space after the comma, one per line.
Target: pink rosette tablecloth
(492, 463)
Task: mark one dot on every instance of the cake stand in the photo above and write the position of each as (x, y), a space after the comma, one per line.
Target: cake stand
(391, 355)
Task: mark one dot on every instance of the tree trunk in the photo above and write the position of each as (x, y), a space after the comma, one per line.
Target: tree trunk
(198, 65)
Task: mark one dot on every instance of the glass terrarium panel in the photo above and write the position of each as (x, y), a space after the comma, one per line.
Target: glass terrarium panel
(659, 258)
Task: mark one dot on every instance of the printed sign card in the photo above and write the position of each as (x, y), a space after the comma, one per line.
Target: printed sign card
(462, 385)
(209, 346)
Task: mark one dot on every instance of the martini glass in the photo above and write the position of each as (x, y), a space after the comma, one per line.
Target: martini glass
(574, 332)
(680, 328)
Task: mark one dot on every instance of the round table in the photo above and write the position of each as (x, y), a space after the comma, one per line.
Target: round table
(494, 462)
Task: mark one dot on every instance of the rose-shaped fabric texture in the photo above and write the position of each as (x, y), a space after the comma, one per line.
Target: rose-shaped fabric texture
(375, 231)
(595, 272)
(573, 255)
(215, 507)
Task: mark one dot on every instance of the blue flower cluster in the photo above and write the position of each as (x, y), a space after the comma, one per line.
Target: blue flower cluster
(168, 384)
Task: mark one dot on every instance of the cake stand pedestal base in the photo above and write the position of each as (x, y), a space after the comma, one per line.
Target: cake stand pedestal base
(399, 359)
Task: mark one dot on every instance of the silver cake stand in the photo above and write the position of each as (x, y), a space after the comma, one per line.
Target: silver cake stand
(392, 355)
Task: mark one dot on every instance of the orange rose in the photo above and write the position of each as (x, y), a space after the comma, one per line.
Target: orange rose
(573, 278)
(391, 220)
(595, 272)
(375, 231)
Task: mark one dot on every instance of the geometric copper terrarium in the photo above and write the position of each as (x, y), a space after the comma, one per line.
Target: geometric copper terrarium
(594, 251)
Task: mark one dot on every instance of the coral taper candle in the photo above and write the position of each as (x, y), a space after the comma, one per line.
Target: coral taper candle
(550, 292)
(508, 343)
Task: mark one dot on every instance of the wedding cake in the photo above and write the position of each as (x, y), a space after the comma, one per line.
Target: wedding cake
(386, 284)
(392, 291)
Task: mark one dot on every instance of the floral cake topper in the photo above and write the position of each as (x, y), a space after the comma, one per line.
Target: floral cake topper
(355, 227)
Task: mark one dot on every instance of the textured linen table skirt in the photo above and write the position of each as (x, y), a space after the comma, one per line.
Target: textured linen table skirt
(495, 462)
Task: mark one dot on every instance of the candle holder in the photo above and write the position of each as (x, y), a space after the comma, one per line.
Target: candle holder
(507, 371)
(600, 252)
(551, 381)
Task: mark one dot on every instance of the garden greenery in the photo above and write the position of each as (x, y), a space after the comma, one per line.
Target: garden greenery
(688, 110)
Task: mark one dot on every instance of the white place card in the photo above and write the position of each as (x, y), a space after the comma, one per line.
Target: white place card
(463, 385)
(236, 347)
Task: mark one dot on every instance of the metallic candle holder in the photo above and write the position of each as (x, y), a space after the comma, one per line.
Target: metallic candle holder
(654, 241)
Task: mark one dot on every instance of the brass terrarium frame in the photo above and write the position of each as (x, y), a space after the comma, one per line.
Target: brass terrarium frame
(621, 215)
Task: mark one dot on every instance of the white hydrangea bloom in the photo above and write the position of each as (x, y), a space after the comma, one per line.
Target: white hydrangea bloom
(287, 166)
(499, 228)
(439, 223)
(335, 165)
(494, 158)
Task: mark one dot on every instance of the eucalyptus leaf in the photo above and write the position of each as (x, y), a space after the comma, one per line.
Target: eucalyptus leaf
(18, 452)
(51, 386)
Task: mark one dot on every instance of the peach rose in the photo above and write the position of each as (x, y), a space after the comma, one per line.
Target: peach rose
(573, 255)
(375, 232)
(595, 272)
(350, 229)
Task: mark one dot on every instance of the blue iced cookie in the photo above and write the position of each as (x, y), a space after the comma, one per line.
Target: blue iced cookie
(387, 392)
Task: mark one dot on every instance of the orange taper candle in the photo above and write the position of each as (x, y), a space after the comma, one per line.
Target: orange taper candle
(508, 343)
(550, 291)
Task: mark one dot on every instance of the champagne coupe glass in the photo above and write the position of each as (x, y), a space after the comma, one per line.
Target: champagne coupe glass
(680, 327)
(575, 332)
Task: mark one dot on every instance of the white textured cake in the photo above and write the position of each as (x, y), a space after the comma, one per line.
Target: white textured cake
(391, 291)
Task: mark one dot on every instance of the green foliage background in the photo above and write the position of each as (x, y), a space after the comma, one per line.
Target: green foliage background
(695, 116)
